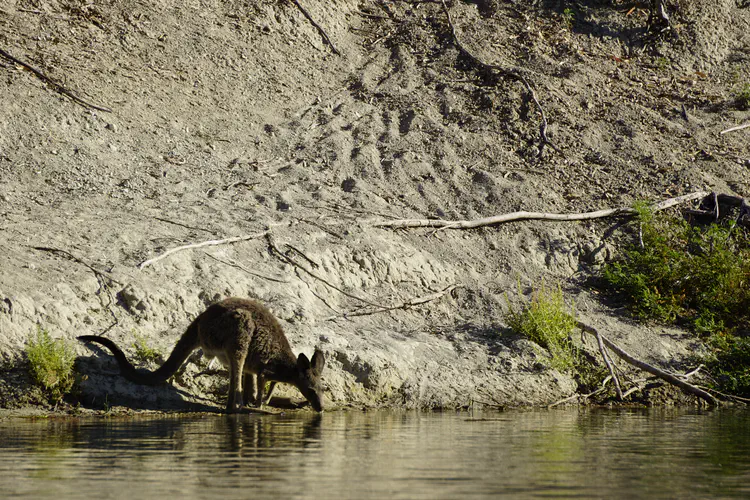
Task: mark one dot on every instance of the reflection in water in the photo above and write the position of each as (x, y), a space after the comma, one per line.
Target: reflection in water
(574, 453)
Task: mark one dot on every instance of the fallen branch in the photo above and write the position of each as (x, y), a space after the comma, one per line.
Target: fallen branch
(416, 301)
(322, 32)
(55, 85)
(610, 367)
(200, 245)
(667, 377)
(733, 129)
(509, 73)
(514, 216)
(736, 399)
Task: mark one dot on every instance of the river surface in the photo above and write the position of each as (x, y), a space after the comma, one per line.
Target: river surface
(568, 453)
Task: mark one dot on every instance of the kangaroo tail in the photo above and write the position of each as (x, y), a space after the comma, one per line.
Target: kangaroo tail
(186, 345)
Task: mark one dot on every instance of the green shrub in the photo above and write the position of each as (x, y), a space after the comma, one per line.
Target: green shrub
(549, 322)
(693, 274)
(698, 276)
(143, 352)
(743, 97)
(569, 18)
(729, 364)
(51, 364)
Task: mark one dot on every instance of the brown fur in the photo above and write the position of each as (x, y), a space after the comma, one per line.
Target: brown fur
(249, 341)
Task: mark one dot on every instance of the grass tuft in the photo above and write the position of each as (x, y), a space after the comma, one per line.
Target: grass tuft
(51, 364)
(549, 322)
(743, 97)
(143, 352)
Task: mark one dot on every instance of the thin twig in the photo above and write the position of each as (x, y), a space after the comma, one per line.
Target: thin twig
(55, 85)
(569, 398)
(321, 227)
(317, 295)
(184, 225)
(322, 32)
(69, 255)
(691, 373)
(237, 265)
(302, 254)
(510, 73)
(667, 377)
(226, 241)
(584, 396)
(104, 280)
(275, 250)
(416, 301)
(514, 216)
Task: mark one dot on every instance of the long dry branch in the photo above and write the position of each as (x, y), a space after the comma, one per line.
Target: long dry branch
(416, 301)
(667, 377)
(522, 215)
(610, 366)
(226, 241)
(54, 84)
(508, 73)
(322, 32)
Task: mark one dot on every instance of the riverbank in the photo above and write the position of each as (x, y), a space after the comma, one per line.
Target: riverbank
(237, 132)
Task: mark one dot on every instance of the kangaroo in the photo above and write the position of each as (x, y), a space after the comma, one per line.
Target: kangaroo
(249, 341)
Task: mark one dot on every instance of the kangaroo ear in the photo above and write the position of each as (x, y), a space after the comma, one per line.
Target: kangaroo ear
(318, 361)
(302, 362)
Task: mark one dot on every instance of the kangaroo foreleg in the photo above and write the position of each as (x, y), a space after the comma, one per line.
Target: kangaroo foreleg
(260, 384)
(271, 387)
(234, 401)
(248, 389)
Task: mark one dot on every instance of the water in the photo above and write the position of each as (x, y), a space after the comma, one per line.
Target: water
(383, 455)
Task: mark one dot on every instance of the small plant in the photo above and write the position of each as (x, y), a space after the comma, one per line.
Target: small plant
(143, 352)
(569, 17)
(662, 63)
(549, 322)
(51, 364)
(743, 97)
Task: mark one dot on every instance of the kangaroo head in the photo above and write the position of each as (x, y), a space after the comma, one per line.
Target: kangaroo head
(310, 383)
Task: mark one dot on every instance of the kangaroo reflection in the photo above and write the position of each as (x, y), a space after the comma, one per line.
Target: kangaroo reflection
(280, 434)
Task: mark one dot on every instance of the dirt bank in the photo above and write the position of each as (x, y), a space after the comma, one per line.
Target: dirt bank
(236, 118)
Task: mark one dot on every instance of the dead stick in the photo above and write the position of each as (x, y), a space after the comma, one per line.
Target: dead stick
(57, 86)
(237, 265)
(98, 273)
(667, 377)
(738, 127)
(514, 216)
(296, 264)
(508, 73)
(183, 225)
(404, 305)
(608, 362)
(202, 244)
(317, 26)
